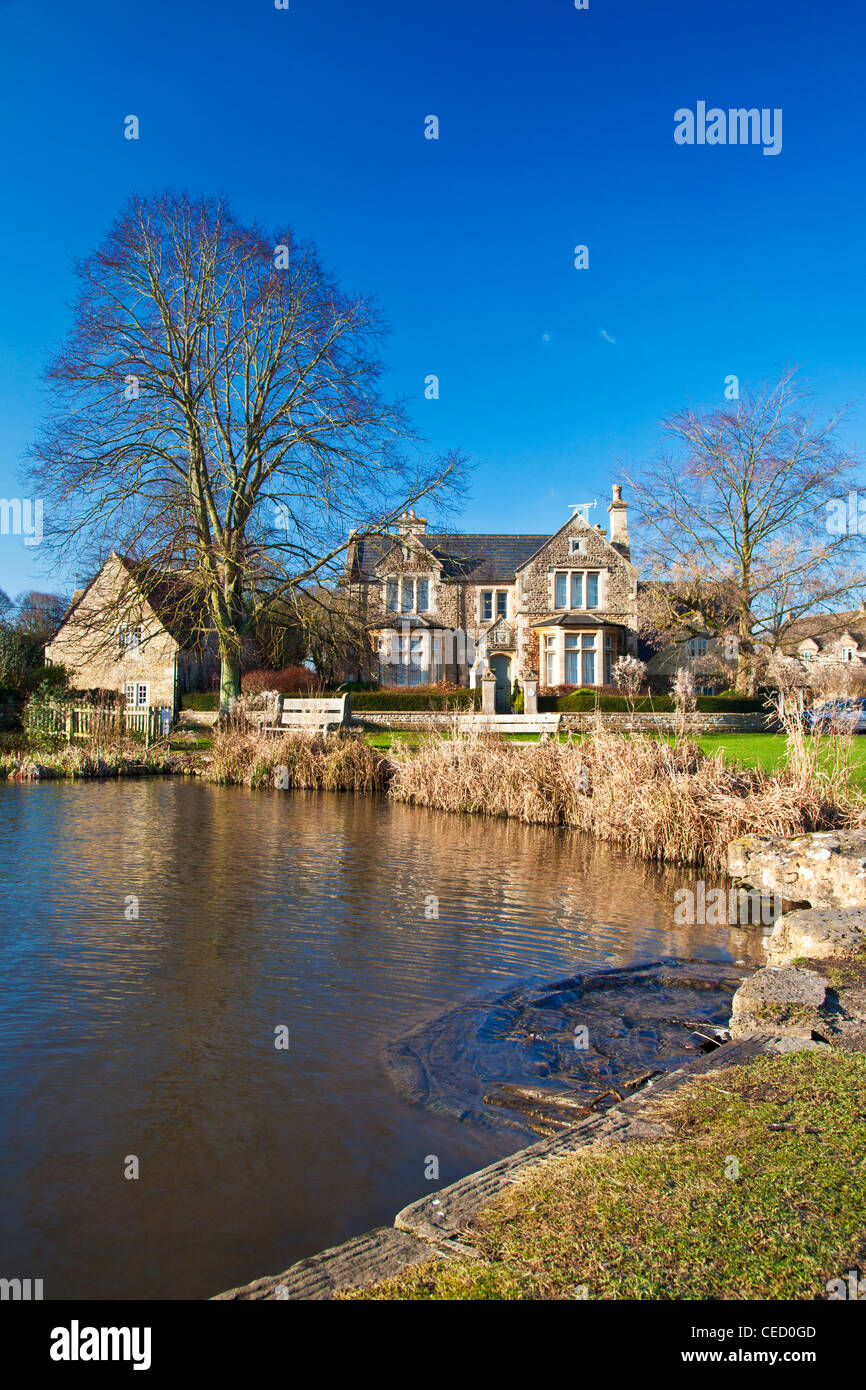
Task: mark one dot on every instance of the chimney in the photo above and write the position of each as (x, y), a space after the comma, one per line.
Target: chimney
(411, 525)
(618, 512)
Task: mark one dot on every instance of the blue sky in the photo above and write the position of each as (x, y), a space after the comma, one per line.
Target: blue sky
(556, 128)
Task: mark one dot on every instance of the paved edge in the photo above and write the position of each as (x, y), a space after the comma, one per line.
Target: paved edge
(433, 1227)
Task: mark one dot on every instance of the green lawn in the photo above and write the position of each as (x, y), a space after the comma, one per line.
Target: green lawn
(758, 1193)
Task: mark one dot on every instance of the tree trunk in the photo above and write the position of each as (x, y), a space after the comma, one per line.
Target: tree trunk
(230, 677)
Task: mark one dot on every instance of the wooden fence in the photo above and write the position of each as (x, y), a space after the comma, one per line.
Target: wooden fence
(95, 721)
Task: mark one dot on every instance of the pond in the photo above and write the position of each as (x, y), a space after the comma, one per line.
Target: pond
(156, 934)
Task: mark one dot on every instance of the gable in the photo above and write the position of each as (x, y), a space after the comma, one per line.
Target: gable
(595, 548)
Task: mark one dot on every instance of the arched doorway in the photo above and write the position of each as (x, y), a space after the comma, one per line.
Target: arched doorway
(501, 668)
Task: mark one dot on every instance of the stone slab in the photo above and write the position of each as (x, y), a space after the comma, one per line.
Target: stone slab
(378, 1254)
(817, 933)
(824, 870)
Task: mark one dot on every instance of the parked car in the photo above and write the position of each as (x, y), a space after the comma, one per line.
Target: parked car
(847, 715)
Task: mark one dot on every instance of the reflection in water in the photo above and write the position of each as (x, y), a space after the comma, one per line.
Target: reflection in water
(155, 1036)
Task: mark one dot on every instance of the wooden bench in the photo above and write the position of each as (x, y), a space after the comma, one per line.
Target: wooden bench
(545, 725)
(316, 715)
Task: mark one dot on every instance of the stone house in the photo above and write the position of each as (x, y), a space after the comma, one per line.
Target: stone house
(441, 607)
(138, 632)
(828, 637)
(713, 670)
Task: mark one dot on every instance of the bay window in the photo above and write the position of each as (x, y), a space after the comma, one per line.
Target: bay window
(550, 659)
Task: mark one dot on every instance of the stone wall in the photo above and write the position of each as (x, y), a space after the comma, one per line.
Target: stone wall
(821, 881)
(576, 723)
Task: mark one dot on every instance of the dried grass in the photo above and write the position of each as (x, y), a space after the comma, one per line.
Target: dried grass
(671, 804)
(303, 760)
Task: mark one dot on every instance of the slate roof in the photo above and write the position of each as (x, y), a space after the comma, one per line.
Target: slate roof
(475, 559)
(586, 619)
(826, 628)
(172, 596)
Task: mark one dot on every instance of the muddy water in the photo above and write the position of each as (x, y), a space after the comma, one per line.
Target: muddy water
(150, 1037)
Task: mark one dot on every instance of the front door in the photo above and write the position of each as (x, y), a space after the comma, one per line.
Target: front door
(501, 667)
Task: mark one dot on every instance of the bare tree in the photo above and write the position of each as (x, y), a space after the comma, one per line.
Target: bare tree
(217, 411)
(39, 614)
(736, 520)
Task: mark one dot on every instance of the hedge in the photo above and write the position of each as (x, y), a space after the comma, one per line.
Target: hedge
(587, 700)
(415, 700)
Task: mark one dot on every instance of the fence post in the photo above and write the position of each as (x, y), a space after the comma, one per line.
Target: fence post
(69, 725)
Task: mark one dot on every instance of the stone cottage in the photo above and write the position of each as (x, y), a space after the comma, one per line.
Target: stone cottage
(139, 632)
(828, 637)
(441, 607)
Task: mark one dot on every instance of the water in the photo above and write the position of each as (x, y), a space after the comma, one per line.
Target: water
(153, 1037)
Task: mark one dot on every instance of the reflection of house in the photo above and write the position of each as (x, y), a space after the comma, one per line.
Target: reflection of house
(445, 607)
(137, 632)
(828, 637)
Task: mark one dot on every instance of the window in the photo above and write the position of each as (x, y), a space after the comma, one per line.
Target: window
(407, 595)
(391, 596)
(411, 665)
(136, 695)
(574, 545)
(609, 657)
(489, 599)
(697, 646)
(588, 653)
(423, 595)
(847, 654)
(569, 586)
(550, 659)
(130, 638)
(572, 659)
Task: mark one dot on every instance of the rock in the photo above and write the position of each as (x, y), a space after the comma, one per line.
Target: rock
(817, 934)
(778, 999)
(824, 870)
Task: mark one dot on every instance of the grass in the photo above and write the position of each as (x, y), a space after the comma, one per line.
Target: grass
(661, 801)
(663, 1220)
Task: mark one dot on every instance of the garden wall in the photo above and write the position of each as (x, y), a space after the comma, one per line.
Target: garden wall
(700, 723)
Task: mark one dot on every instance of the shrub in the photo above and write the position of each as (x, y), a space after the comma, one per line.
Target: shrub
(291, 680)
(422, 698)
